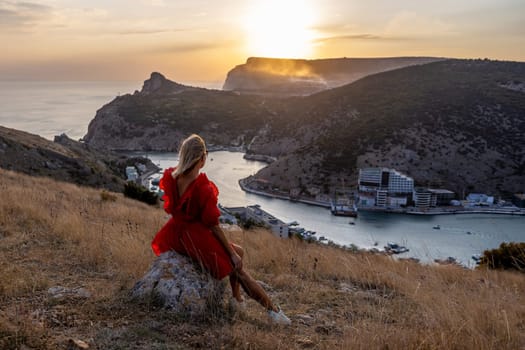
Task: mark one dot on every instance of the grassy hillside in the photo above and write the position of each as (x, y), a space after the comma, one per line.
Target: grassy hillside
(58, 234)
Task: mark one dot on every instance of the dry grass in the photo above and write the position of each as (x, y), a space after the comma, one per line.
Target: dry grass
(56, 234)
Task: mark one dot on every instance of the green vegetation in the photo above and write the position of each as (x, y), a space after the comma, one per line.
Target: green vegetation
(141, 193)
(509, 256)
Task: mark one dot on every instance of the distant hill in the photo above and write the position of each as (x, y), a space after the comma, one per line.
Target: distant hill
(458, 124)
(64, 159)
(158, 119)
(289, 77)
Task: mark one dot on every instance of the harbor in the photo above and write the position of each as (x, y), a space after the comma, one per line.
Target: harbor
(459, 236)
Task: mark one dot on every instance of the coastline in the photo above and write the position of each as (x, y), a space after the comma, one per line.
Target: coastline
(407, 211)
(260, 158)
(246, 188)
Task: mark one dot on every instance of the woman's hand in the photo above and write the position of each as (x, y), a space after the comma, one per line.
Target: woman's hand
(236, 260)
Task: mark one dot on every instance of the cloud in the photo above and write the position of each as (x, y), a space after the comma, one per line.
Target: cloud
(22, 15)
(351, 37)
(414, 25)
(157, 3)
(190, 47)
(149, 31)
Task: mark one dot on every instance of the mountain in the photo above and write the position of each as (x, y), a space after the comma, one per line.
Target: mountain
(159, 118)
(458, 124)
(289, 77)
(64, 159)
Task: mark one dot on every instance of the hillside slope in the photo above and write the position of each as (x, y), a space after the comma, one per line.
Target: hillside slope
(158, 119)
(55, 234)
(62, 159)
(458, 124)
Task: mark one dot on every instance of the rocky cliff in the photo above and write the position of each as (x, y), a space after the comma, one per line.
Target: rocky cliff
(159, 116)
(458, 124)
(289, 77)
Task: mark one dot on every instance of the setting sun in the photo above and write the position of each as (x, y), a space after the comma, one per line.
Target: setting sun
(279, 29)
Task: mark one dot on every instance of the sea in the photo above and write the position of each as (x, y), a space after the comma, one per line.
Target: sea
(52, 108)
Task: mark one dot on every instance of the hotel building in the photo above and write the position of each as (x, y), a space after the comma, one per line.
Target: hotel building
(382, 187)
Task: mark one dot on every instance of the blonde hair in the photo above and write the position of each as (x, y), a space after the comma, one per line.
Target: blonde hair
(191, 151)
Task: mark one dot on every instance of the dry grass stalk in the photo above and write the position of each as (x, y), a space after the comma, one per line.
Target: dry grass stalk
(60, 234)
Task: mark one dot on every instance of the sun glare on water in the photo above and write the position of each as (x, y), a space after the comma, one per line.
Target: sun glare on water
(279, 29)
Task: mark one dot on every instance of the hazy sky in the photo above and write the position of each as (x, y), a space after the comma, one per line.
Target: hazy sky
(198, 40)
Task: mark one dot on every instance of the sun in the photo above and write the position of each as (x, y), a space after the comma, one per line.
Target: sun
(279, 29)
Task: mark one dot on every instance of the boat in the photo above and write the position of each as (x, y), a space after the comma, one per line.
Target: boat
(437, 227)
(448, 261)
(395, 248)
(338, 208)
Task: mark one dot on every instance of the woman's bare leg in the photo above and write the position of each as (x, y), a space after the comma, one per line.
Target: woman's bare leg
(249, 285)
(254, 289)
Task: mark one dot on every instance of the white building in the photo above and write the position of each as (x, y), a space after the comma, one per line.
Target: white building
(429, 197)
(131, 173)
(424, 199)
(386, 186)
(278, 227)
(480, 199)
(255, 213)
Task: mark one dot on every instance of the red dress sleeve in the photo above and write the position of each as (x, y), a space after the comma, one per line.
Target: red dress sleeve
(208, 198)
(166, 184)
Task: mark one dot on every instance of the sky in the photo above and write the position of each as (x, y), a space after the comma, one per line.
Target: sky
(200, 41)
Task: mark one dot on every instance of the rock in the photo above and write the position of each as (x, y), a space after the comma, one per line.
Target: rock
(157, 83)
(153, 83)
(61, 292)
(74, 344)
(289, 77)
(181, 286)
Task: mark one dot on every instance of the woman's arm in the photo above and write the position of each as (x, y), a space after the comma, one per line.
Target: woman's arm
(236, 259)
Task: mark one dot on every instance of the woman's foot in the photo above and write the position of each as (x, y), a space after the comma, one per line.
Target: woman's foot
(278, 317)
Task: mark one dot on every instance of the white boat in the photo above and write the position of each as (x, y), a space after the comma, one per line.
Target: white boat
(476, 258)
(395, 248)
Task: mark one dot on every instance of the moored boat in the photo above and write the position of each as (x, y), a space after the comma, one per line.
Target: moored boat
(394, 248)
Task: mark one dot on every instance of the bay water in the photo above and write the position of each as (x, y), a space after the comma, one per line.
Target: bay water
(52, 108)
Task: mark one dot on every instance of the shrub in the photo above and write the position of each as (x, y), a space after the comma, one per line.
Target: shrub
(105, 196)
(509, 256)
(132, 190)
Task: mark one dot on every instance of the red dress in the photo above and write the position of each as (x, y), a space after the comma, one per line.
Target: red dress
(188, 231)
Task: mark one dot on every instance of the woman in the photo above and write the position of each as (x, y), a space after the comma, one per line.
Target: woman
(194, 230)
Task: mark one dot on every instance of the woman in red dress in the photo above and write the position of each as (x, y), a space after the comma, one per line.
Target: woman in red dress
(193, 229)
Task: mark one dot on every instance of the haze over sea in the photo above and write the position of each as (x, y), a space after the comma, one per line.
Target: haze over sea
(52, 108)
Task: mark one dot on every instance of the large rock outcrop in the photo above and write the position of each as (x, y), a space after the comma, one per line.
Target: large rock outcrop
(181, 286)
(289, 77)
